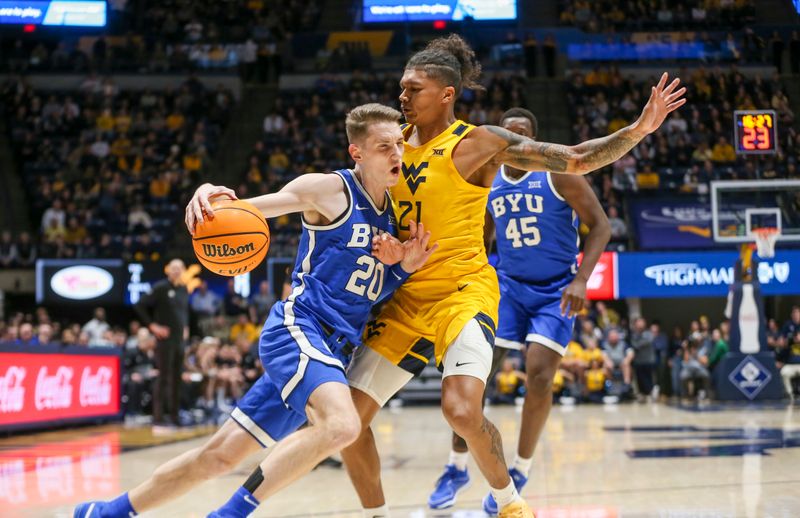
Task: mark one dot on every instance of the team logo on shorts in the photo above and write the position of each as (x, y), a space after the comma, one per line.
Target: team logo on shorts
(374, 328)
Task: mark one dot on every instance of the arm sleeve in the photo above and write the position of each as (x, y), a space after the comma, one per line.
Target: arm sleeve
(145, 304)
(393, 278)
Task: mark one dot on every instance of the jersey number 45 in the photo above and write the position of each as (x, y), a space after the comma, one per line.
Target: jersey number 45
(522, 231)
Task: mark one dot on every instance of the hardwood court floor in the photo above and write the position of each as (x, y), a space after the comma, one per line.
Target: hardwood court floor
(636, 460)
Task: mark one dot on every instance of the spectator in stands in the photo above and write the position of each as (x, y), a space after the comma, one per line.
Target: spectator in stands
(607, 318)
(263, 300)
(619, 230)
(26, 251)
(54, 216)
(206, 305)
(507, 384)
(44, 335)
(97, 327)
(618, 358)
(233, 303)
(249, 363)
(661, 346)
(138, 219)
(243, 327)
(693, 371)
(723, 152)
(140, 372)
(8, 250)
(717, 350)
(787, 354)
(26, 336)
(644, 358)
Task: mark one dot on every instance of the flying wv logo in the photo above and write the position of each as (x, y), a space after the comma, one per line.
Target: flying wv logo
(413, 175)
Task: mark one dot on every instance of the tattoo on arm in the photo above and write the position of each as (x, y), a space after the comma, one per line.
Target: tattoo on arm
(497, 441)
(600, 152)
(525, 153)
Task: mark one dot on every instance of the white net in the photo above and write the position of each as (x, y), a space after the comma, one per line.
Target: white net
(765, 241)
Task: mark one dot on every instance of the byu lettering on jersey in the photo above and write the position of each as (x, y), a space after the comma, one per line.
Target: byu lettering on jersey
(537, 246)
(307, 339)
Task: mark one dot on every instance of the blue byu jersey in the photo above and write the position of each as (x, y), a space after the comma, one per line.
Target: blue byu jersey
(336, 279)
(537, 231)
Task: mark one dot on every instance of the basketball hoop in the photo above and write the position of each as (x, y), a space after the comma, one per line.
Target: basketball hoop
(765, 241)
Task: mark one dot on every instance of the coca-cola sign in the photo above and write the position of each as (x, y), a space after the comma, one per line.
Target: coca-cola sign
(37, 388)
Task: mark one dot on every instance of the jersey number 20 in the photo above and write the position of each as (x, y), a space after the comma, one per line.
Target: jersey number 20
(372, 275)
(522, 231)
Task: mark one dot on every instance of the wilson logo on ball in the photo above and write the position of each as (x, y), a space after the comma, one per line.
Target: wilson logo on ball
(235, 241)
(224, 250)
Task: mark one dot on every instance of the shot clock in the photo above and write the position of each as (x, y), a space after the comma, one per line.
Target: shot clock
(755, 132)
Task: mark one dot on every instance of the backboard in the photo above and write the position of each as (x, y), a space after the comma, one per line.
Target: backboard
(739, 207)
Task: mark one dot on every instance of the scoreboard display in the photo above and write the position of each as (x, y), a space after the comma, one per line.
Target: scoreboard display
(755, 132)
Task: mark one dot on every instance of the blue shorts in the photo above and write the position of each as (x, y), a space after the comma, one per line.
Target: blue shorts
(297, 359)
(532, 313)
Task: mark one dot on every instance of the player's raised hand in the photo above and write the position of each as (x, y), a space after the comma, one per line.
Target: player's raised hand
(664, 99)
(573, 298)
(387, 249)
(416, 247)
(201, 203)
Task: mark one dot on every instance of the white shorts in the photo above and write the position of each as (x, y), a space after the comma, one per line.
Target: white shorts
(470, 354)
(376, 376)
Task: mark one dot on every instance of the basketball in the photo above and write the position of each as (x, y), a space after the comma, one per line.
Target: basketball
(235, 241)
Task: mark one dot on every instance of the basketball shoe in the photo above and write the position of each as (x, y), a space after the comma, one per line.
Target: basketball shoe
(516, 509)
(98, 509)
(452, 481)
(490, 506)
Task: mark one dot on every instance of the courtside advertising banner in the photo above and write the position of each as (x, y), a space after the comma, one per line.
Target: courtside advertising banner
(39, 389)
(602, 284)
(701, 274)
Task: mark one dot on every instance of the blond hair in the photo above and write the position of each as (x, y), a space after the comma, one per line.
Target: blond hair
(362, 117)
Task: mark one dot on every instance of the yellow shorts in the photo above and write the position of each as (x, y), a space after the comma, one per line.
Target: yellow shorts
(424, 317)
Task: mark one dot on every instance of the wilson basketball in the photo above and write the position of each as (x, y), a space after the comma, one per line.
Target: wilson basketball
(235, 241)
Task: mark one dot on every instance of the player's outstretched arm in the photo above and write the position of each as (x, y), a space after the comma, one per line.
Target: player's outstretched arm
(311, 193)
(529, 155)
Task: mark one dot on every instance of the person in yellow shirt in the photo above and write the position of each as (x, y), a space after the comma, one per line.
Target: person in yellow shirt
(105, 121)
(175, 121)
(723, 152)
(507, 383)
(595, 381)
(243, 326)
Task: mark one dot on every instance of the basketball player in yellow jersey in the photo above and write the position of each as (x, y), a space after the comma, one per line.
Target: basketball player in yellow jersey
(448, 308)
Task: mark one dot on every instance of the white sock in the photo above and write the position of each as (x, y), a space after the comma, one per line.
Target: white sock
(522, 465)
(459, 460)
(505, 496)
(377, 512)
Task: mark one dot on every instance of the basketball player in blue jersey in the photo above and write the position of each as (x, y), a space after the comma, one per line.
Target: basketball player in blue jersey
(307, 340)
(541, 289)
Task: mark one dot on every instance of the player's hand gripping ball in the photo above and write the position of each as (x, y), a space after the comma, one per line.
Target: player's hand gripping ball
(235, 241)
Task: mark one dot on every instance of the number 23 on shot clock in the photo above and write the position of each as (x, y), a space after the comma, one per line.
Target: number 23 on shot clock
(755, 132)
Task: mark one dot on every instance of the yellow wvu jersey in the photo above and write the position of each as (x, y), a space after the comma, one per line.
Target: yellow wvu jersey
(595, 380)
(507, 382)
(592, 354)
(558, 381)
(457, 283)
